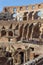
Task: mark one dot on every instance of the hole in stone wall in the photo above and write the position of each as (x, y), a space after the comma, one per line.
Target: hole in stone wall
(3, 32)
(39, 5)
(32, 48)
(14, 9)
(22, 57)
(26, 7)
(30, 15)
(10, 33)
(36, 56)
(33, 7)
(20, 8)
(25, 16)
(8, 54)
(5, 9)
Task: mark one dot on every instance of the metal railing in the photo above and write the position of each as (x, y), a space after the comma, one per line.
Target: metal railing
(35, 61)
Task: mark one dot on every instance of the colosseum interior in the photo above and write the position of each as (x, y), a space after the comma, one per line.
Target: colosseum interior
(21, 35)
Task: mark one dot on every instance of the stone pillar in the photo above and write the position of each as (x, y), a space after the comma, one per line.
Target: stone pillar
(27, 36)
(28, 54)
(41, 31)
(13, 33)
(24, 57)
(20, 31)
(33, 15)
(27, 16)
(31, 57)
(18, 16)
(19, 59)
(7, 34)
(31, 34)
(31, 54)
(40, 36)
(0, 33)
(23, 34)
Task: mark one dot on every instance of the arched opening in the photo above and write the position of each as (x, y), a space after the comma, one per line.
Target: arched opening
(25, 31)
(14, 9)
(30, 30)
(10, 33)
(35, 15)
(20, 51)
(3, 32)
(8, 54)
(38, 15)
(36, 31)
(25, 16)
(14, 15)
(31, 48)
(22, 57)
(5, 9)
(30, 15)
(20, 8)
(19, 56)
(20, 32)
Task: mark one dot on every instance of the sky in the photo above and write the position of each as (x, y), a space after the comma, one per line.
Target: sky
(4, 3)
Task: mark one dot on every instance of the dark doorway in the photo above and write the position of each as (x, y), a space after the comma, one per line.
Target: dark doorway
(3, 33)
(8, 54)
(10, 33)
(22, 57)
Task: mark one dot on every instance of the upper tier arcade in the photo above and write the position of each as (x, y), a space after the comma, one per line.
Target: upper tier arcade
(29, 12)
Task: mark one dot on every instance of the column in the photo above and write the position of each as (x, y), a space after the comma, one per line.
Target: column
(0, 33)
(31, 54)
(19, 59)
(27, 37)
(7, 34)
(27, 16)
(31, 34)
(24, 57)
(22, 34)
(40, 38)
(13, 32)
(33, 16)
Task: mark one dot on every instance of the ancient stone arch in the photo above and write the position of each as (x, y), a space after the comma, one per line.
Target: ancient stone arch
(36, 31)
(10, 32)
(3, 32)
(20, 56)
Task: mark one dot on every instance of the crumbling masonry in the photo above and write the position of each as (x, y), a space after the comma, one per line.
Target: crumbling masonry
(21, 35)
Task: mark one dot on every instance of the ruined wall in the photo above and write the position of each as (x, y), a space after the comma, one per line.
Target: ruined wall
(29, 12)
(22, 37)
(16, 31)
